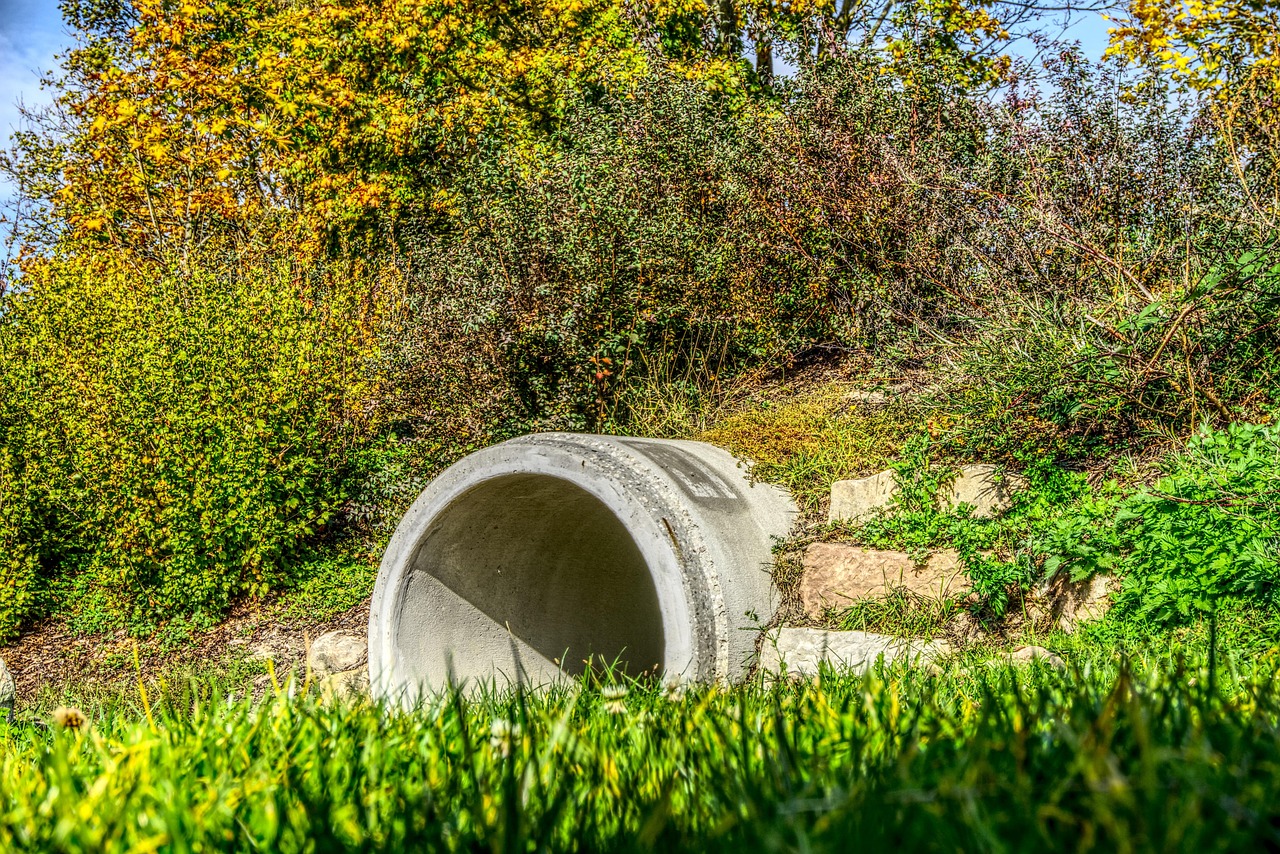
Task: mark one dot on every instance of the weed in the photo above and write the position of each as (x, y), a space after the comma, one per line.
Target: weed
(901, 614)
(807, 439)
(1205, 533)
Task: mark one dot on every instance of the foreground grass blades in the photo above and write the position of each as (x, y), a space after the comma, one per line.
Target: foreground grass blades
(1161, 755)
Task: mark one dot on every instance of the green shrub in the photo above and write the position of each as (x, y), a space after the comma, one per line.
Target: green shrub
(1205, 532)
(169, 441)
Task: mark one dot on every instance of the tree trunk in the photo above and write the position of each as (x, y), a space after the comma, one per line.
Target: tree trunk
(730, 42)
(764, 60)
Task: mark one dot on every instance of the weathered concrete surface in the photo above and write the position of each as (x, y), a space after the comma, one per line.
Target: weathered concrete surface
(854, 500)
(526, 558)
(836, 574)
(8, 691)
(982, 486)
(801, 652)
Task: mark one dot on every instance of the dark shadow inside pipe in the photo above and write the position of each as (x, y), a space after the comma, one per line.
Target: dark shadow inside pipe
(532, 559)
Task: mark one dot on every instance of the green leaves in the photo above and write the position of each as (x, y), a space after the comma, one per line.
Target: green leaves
(1205, 532)
(164, 444)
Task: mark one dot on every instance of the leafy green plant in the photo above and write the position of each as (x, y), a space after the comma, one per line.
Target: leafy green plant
(992, 551)
(1205, 532)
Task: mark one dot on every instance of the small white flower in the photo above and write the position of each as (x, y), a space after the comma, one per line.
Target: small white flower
(614, 696)
(675, 690)
(501, 735)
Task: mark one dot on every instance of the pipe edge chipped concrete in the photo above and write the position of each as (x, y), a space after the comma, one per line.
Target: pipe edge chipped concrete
(523, 560)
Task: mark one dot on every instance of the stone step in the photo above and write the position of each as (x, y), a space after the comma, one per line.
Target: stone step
(837, 574)
(337, 652)
(798, 652)
(1067, 603)
(980, 485)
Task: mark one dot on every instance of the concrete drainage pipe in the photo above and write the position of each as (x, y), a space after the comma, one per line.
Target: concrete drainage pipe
(521, 561)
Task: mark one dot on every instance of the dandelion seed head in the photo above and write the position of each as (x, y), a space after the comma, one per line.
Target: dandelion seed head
(69, 717)
(614, 697)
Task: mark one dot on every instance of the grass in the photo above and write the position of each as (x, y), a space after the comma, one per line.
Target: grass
(807, 438)
(329, 584)
(901, 614)
(1166, 749)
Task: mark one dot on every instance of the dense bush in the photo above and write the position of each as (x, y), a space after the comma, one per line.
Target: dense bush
(671, 235)
(1082, 257)
(170, 440)
(675, 236)
(625, 255)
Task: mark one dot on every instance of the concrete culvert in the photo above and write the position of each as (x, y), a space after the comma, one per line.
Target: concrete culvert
(525, 559)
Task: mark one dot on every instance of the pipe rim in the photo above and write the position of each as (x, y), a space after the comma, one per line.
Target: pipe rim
(672, 562)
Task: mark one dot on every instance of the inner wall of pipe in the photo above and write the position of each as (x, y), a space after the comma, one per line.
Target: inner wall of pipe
(536, 574)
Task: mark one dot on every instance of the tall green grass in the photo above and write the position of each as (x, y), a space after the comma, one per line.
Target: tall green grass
(1157, 753)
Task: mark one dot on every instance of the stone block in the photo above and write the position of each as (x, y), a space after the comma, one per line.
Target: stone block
(8, 691)
(347, 684)
(1028, 654)
(982, 486)
(1069, 603)
(854, 500)
(793, 652)
(336, 652)
(836, 575)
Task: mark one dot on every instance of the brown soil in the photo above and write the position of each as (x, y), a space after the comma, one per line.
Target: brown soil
(48, 658)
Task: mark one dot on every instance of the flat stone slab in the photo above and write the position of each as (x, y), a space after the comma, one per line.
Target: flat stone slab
(1069, 603)
(837, 574)
(855, 500)
(348, 684)
(983, 487)
(794, 652)
(1029, 654)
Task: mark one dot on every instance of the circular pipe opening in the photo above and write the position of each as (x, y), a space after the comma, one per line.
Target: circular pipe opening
(528, 575)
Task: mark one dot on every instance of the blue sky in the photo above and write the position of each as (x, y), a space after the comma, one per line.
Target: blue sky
(32, 33)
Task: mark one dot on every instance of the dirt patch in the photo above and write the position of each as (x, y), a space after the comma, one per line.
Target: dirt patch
(49, 658)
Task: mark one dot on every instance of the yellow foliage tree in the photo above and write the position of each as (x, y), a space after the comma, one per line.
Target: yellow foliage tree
(184, 121)
(1229, 51)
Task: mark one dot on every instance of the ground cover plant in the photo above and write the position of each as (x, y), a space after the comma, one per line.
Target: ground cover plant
(1167, 749)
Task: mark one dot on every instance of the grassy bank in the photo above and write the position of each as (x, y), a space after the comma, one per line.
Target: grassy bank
(1168, 748)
